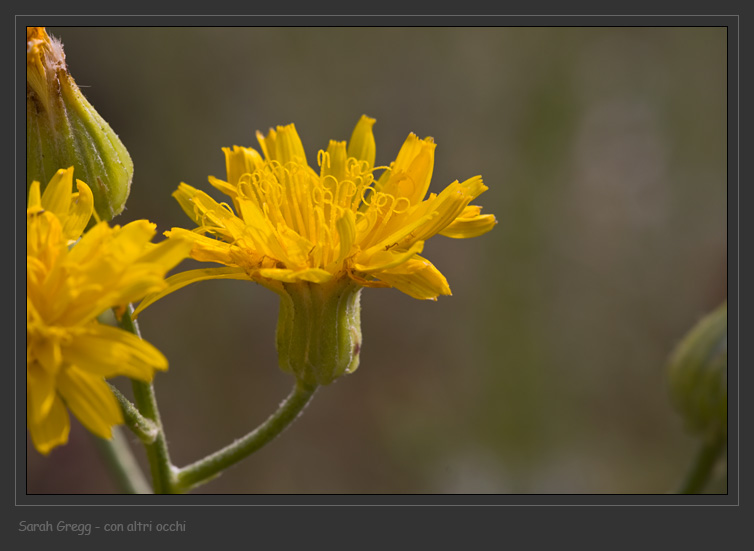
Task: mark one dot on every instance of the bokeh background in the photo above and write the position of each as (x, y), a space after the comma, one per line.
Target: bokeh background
(605, 153)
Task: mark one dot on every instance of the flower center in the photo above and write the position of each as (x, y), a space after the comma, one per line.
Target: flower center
(293, 197)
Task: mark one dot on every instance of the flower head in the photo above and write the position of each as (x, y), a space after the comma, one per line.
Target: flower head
(63, 129)
(69, 353)
(316, 237)
(291, 223)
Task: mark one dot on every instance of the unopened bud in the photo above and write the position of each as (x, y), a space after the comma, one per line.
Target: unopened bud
(63, 129)
(698, 375)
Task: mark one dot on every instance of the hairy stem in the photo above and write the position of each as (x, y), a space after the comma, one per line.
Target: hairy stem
(205, 469)
(144, 428)
(146, 402)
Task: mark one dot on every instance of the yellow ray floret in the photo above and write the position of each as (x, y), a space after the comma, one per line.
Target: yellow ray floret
(68, 352)
(286, 222)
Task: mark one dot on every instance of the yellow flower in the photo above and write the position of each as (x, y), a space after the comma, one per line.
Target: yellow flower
(318, 237)
(292, 223)
(68, 352)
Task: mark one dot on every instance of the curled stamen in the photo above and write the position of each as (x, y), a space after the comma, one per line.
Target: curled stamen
(355, 166)
(326, 181)
(261, 185)
(317, 196)
(367, 200)
(245, 178)
(394, 206)
(381, 200)
(245, 190)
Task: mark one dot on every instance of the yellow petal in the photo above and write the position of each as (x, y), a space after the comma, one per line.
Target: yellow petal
(384, 260)
(91, 401)
(109, 352)
(288, 146)
(346, 228)
(91, 244)
(362, 145)
(209, 213)
(296, 247)
(267, 143)
(184, 195)
(129, 241)
(334, 164)
(186, 278)
(204, 249)
(240, 161)
(409, 176)
(57, 195)
(138, 281)
(167, 253)
(40, 391)
(228, 189)
(469, 226)
(49, 355)
(449, 205)
(417, 278)
(403, 233)
(35, 199)
(51, 431)
(81, 208)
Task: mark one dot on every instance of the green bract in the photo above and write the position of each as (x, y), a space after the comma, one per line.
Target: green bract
(319, 330)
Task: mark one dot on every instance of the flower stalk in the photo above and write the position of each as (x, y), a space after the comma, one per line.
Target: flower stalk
(146, 402)
(168, 479)
(208, 468)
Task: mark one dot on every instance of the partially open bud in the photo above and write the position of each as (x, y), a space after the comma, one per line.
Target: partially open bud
(319, 329)
(63, 129)
(698, 374)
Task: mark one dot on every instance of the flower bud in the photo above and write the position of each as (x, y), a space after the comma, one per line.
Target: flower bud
(698, 376)
(63, 129)
(319, 329)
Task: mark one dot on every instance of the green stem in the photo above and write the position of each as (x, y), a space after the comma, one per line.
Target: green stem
(701, 470)
(122, 463)
(146, 402)
(144, 428)
(205, 469)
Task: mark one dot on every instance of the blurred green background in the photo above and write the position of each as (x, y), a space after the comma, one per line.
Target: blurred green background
(605, 153)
